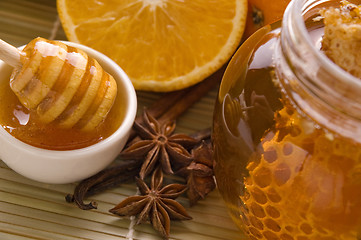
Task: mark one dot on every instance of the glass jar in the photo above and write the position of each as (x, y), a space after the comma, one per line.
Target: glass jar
(287, 134)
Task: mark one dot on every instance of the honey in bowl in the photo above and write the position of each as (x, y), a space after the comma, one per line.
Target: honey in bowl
(286, 135)
(23, 124)
(60, 98)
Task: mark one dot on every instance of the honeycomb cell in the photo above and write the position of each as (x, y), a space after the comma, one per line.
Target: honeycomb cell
(306, 228)
(302, 238)
(257, 210)
(259, 196)
(272, 225)
(270, 155)
(255, 232)
(273, 196)
(270, 235)
(282, 174)
(289, 229)
(272, 212)
(285, 236)
(256, 222)
(289, 111)
(287, 149)
(263, 177)
(252, 237)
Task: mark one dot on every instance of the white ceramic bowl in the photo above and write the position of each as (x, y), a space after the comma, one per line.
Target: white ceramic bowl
(59, 167)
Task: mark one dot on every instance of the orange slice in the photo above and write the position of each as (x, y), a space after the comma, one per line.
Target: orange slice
(163, 45)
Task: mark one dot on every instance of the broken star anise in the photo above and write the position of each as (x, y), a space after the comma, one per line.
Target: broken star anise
(199, 173)
(158, 145)
(155, 204)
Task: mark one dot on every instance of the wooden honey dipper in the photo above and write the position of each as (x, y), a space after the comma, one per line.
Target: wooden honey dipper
(61, 83)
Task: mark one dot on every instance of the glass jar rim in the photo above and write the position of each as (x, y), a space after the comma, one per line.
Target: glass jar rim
(318, 86)
(295, 10)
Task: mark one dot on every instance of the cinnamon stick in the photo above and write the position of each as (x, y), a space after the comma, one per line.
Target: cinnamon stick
(173, 104)
(191, 96)
(161, 106)
(165, 102)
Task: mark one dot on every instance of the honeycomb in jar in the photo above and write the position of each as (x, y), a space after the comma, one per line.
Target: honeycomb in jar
(342, 36)
(303, 185)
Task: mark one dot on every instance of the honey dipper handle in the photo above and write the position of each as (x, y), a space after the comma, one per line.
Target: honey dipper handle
(10, 54)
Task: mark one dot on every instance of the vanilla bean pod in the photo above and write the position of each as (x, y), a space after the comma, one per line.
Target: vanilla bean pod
(111, 177)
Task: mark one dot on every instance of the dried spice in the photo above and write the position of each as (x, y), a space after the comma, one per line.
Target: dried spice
(108, 178)
(170, 155)
(158, 145)
(199, 173)
(155, 204)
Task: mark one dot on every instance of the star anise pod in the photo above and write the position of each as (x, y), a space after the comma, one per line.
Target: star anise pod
(155, 203)
(199, 173)
(158, 145)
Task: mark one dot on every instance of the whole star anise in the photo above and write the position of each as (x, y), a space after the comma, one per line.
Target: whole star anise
(155, 203)
(158, 145)
(199, 173)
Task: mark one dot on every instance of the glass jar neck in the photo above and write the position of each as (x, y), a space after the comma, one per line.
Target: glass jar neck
(320, 88)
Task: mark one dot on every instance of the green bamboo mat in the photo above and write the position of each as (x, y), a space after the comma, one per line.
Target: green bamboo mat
(33, 210)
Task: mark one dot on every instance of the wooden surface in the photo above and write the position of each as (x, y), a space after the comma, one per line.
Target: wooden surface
(33, 210)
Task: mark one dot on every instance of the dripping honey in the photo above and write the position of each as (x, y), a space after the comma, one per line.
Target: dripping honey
(23, 124)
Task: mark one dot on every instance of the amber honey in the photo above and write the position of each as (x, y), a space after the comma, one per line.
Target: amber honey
(24, 125)
(282, 174)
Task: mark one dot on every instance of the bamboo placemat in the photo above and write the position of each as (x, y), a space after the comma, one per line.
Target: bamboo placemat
(33, 210)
